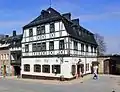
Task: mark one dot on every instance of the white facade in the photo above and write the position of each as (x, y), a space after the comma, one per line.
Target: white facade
(65, 66)
(65, 55)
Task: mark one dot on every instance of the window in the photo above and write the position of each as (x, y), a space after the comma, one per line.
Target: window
(56, 69)
(42, 29)
(31, 32)
(38, 31)
(37, 68)
(39, 47)
(51, 45)
(43, 46)
(34, 47)
(86, 48)
(95, 49)
(27, 67)
(82, 47)
(73, 69)
(27, 48)
(61, 44)
(75, 45)
(91, 49)
(46, 68)
(87, 67)
(52, 28)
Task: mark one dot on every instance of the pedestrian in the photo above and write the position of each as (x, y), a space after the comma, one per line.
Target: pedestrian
(95, 68)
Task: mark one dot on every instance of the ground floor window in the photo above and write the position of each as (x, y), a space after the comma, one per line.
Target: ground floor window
(56, 69)
(73, 69)
(26, 67)
(37, 68)
(46, 68)
(87, 67)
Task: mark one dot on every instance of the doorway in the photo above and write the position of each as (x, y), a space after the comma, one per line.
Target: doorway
(16, 70)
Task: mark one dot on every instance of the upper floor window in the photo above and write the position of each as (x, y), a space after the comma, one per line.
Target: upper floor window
(43, 46)
(37, 68)
(82, 47)
(52, 28)
(95, 49)
(51, 45)
(27, 67)
(38, 31)
(86, 48)
(31, 32)
(75, 45)
(39, 47)
(26, 48)
(41, 30)
(91, 49)
(34, 47)
(61, 44)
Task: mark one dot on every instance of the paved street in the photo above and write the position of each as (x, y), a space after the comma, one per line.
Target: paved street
(104, 84)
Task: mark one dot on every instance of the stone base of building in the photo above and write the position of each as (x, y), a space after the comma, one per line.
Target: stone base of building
(45, 77)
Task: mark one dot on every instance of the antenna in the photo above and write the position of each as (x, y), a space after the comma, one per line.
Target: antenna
(50, 3)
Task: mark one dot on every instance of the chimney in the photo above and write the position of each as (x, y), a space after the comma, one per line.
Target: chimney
(6, 36)
(14, 33)
(75, 21)
(67, 16)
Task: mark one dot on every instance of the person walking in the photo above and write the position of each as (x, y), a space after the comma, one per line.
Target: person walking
(95, 68)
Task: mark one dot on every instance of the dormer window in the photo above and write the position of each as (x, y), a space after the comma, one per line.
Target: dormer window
(31, 32)
(52, 28)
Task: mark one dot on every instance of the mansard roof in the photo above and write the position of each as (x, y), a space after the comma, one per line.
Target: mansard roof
(72, 27)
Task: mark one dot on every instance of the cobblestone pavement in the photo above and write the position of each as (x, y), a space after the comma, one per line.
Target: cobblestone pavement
(105, 83)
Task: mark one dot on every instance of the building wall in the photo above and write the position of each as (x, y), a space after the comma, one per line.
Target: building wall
(66, 66)
(59, 34)
(5, 60)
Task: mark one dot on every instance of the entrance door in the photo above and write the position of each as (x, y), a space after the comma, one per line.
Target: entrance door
(106, 67)
(78, 70)
(16, 70)
(4, 70)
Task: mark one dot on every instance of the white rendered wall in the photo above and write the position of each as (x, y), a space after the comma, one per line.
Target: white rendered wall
(65, 66)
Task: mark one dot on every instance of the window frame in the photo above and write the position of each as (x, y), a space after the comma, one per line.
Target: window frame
(43, 48)
(87, 48)
(35, 68)
(26, 47)
(82, 47)
(52, 27)
(34, 47)
(45, 66)
(57, 67)
(61, 45)
(75, 45)
(51, 45)
(27, 67)
(30, 32)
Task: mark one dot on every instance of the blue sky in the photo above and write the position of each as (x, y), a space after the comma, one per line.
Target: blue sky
(98, 16)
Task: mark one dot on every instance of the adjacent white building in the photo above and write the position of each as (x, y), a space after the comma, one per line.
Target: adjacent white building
(55, 45)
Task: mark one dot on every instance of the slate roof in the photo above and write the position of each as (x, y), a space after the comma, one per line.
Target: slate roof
(51, 15)
(10, 40)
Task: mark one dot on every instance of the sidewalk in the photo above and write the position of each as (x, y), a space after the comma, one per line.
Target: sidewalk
(54, 82)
